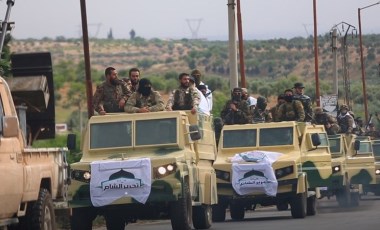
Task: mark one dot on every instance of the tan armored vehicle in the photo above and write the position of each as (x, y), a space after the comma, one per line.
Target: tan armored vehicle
(375, 188)
(155, 165)
(31, 178)
(353, 167)
(281, 183)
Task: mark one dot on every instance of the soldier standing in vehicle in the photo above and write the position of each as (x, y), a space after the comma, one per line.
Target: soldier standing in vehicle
(260, 113)
(111, 95)
(345, 120)
(291, 110)
(235, 110)
(145, 99)
(198, 81)
(304, 99)
(134, 76)
(274, 109)
(185, 97)
(323, 118)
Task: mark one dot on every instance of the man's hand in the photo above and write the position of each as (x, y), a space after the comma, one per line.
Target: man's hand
(193, 110)
(144, 110)
(102, 112)
(121, 103)
(233, 107)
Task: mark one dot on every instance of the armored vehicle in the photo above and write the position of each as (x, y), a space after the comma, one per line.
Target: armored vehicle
(375, 188)
(282, 181)
(155, 165)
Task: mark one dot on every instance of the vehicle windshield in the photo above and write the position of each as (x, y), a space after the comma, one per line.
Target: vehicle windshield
(324, 140)
(376, 149)
(111, 134)
(156, 132)
(239, 138)
(365, 148)
(335, 145)
(276, 136)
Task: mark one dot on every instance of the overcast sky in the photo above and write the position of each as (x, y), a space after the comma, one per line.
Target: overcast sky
(262, 19)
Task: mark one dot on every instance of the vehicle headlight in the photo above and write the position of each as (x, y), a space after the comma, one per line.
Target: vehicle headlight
(377, 171)
(336, 169)
(81, 175)
(164, 170)
(223, 175)
(282, 172)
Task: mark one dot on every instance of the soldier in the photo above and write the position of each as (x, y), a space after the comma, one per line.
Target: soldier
(144, 100)
(345, 120)
(185, 97)
(198, 81)
(323, 118)
(274, 109)
(291, 110)
(260, 113)
(134, 76)
(111, 95)
(251, 102)
(305, 100)
(235, 110)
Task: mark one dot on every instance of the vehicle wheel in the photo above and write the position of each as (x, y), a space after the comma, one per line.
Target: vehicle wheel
(237, 211)
(355, 199)
(283, 206)
(298, 205)
(377, 193)
(218, 213)
(43, 216)
(181, 210)
(311, 206)
(81, 218)
(343, 196)
(202, 217)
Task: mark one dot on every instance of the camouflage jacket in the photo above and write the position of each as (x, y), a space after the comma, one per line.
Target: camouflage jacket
(346, 123)
(273, 111)
(183, 99)
(259, 116)
(136, 101)
(107, 97)
(306, 103)
(241, 116)
(291, 111)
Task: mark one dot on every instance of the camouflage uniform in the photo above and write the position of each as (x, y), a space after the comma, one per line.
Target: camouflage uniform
(259, 116)
(306, 103)
(273, 111)
(107, 97)
(183, 99)
(346, 123)
(153, 102)
(322, 118)
(291, 111)
(241, 116)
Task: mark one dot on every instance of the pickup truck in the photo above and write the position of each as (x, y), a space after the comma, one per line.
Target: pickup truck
(302, 152)
(31, 178)
(152, 166)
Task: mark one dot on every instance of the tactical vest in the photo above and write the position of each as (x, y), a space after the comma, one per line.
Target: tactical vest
(111, 99)
(290, 112)
(343, 123)
(186, 103)
(322, 119)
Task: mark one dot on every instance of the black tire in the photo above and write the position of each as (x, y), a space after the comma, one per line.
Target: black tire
(237, 211)
(43, 216)
(202, 217)
(218, 213)
(81, 218)
(311, 206)
(283, 206)
(115, 219)
(343, 196)
(181, 210)
(355, 199)
(298, 205)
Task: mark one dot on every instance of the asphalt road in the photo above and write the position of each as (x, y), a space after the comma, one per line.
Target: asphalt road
(329, 217)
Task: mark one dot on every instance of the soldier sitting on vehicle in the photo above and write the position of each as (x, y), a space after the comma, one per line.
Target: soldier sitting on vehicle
(304, 99)
(291, 110)
(235, 110)
(144, 100)
(323, 118)
(260, 113)
(274, 109)
(345, 120)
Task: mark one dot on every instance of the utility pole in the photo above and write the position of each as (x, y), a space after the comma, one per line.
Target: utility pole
(232, 44)
(317, 95)
(4, 25)
(241, 46)
(335, 56)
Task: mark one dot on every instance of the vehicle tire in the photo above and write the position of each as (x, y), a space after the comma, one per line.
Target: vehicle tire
(42, 215)
(377, 192)
(115, 219)
(202, 217)
(298, 205)
(283, 206)
(81, 218)
(343, 196)
(355, 199)
(237, 211)
(311, 206)
(218, 213)
(181, 210)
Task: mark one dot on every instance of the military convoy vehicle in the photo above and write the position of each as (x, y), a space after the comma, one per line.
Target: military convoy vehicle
(353, 167)
(301, 149)
(155, 165)
(31, 178)
(375, 188)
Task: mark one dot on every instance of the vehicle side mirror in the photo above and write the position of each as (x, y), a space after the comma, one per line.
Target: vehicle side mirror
(10, 126)
(195, 134)
(315, 139)
(357, 145)
(71, 141)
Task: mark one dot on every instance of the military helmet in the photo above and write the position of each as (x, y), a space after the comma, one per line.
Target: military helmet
(318, 110)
